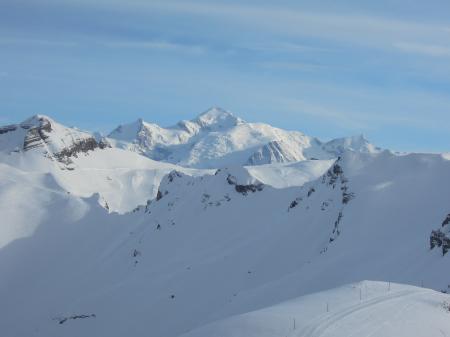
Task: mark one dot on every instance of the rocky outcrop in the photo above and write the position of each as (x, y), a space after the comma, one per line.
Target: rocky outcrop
(334, 186)
(53, 140)
(62, 320)
(7, 128)
(244, 189)
(441, 237)
(37, 135)
(81, 146)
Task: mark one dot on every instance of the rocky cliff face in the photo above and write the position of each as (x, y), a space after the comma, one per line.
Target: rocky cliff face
(53, 140)
(441, 237)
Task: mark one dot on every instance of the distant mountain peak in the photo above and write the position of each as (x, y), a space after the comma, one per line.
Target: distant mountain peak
(37, 120)
(218, 117)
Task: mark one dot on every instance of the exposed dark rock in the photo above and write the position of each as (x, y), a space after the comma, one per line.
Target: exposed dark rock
(231, 180)
(445, 245)
(446, 221)
(436, 238)
(62, 320)
(311, 191)
(159, 195)
(80, 146)
(334, 173)
(37, 136)
(441, 237)
(172, 175)
(7, 128)
(346, 197)
(244, 189)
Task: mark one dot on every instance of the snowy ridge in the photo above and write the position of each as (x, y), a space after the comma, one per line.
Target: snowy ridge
(217, 138)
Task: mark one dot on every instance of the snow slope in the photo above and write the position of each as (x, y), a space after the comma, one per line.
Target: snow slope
(290, 174)
(217, 138)
(366, 308)
(215, 246)
(123, 179)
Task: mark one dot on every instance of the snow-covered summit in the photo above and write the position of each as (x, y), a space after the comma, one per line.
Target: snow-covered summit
(217, 118)
(40, 133)
(218, 138)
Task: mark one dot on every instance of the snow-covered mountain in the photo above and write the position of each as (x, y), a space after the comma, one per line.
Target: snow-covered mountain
(217, 138)
(55, 141)
(40, 154)
(100, 239)
(215, 246)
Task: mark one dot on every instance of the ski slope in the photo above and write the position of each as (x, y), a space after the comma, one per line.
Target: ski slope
(368, 308)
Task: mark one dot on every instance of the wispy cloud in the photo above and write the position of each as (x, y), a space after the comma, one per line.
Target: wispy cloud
(344, 119)
(356, 28)
(13, 41)
(292, 66)
(424, 49)
(286, 47)
(157, 45)
(291, 21)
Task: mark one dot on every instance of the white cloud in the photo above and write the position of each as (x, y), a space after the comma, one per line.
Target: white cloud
(425, 49)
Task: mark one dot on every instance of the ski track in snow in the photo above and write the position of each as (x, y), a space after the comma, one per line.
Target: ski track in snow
(326, 322)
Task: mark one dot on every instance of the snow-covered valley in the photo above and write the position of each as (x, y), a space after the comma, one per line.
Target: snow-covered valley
(218, 227)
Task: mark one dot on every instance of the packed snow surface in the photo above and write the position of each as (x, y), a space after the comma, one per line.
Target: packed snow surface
(367, 308)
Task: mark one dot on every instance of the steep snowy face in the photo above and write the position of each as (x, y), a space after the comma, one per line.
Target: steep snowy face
(42, 134)
(217, 138)
(276, 152)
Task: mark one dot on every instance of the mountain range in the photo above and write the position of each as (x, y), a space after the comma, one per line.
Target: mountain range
(216, 227)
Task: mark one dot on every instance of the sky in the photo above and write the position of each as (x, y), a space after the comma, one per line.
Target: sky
(328, 68)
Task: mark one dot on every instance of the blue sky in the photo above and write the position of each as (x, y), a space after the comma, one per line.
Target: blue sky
(327, 68)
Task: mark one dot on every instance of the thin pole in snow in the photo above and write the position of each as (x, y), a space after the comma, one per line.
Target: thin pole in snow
(328, 309)
(294, 323)
(389, 285)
